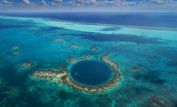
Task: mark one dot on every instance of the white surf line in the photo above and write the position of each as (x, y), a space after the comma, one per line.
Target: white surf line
(98, 28)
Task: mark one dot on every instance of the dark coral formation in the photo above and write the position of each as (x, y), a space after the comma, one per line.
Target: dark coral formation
(157, 102)
(9, 90)
(135, 68)
(27, 65)
(1, 81)
(93, 48)
(64, 78)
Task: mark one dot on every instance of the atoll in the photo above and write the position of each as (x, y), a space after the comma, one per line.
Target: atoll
(64, 78)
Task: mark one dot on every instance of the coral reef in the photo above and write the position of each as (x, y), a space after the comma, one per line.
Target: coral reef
(135, 68)
(15, 50)
(79, 59)
(157, 102)
(93, 48)
(9, 90)
(27, 65)
(64, 78)
(58, 40)
(75, 46)
(1, 81)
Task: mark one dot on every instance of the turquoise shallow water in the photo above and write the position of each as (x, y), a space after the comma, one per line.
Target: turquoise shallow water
(147, 59)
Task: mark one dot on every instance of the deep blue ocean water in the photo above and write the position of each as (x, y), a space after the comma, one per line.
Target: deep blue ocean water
(147, 57)
(92, 73)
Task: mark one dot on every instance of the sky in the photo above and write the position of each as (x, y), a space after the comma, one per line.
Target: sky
(70, 5)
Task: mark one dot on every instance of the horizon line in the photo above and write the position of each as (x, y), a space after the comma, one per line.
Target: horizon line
(49, 10)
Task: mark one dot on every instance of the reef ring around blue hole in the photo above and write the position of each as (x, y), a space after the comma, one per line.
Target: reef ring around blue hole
(91, 72)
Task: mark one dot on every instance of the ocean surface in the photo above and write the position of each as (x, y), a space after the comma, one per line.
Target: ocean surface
(144, 45)
(168, 20)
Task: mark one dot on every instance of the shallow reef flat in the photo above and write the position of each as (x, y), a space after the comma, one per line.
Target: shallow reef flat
(74, 60)
(64, 78)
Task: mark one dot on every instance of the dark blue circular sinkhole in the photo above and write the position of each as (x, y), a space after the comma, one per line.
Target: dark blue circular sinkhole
(91, 72)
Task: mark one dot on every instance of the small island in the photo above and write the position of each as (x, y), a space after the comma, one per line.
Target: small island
(69, 77)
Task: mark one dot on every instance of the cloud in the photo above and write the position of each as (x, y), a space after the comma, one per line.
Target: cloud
(41, 3)
(57, 0)
(130, 4)
(26, 1)
(6, 2)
